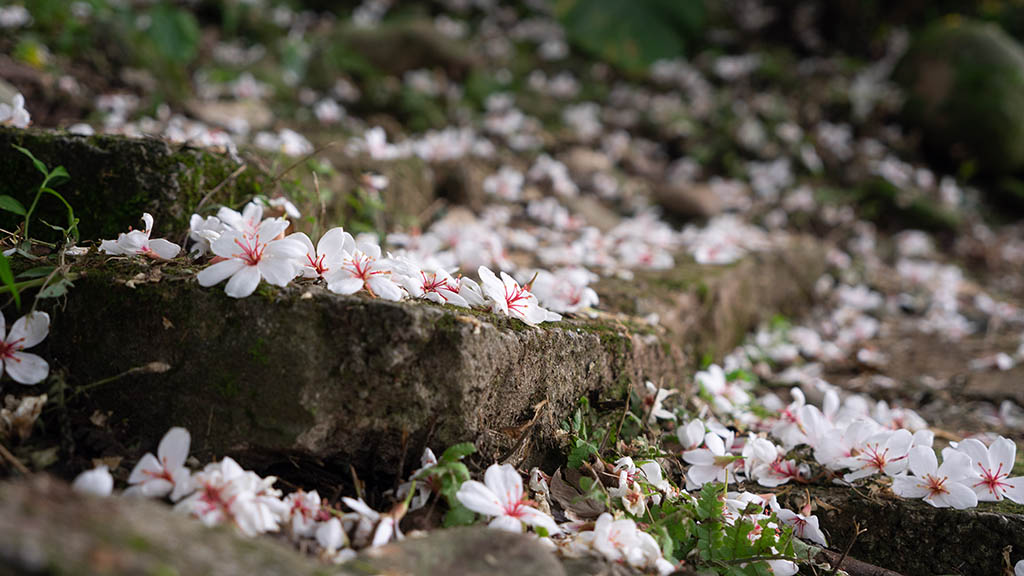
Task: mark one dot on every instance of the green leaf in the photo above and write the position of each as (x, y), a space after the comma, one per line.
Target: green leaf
(11, 204)
(37, 272)
(457, 452)
(57, 289)
(7, 277)
(39, 165)
(709, 503)
(631, 35)
(174, 32)
(458, 515)
(581, 453)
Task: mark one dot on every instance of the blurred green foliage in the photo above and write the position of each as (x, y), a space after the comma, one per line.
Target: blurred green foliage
(632, 35)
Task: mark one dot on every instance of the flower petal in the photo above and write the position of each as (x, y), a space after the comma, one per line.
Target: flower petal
(147, 465)
(164, 248)
(173, 449)
(243, 283)
(506, 484)
(217, 273)
(30, 329)
(479, 498)
(26, 368)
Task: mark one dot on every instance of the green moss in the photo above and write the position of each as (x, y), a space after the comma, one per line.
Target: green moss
(258, 352)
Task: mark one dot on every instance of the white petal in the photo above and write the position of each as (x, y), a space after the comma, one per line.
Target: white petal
(164, 248)
(147, 464)
(97, 482)
(909, 487)
(923, 461)
(173, 449)
(277, 271)
(334, 243)
(1003, 451)
(30, 329)
(216, 273)
(505, 483)
(960, 496)
(342, 285)
(479, 498)
(386, 289)
(506, 523)
(26, 368)
(243, 283)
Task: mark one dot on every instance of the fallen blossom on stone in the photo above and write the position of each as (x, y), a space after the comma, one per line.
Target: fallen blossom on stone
(27, 331)
(249, 259)
(944, 486)
(97, 482)
(138, 242)
(164, 474)
(500, 496)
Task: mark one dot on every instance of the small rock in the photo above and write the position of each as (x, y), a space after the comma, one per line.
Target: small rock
(689, 200)
(965, 87)
(471, 551)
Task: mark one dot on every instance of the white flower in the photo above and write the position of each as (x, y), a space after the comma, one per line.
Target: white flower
(990, 470)
(329, 254)
(566, 290)
(501, 496)
(882, 453)
(15, 114)
(303, 511)
(330, 535)
(97, 482)
(805, 525)
(372, 528)
(509, 298)
(164, 474)
(363, 269)
(138, 242)
(248, 259)
(246, 221)
(431, 282)
(941, 486)
(27, 331)
(654, 398)
(203, 232)
(725, 395)
(622, 541)
(712, 463)
(691, 435)
(285, 205)
(224, 492)
(506, 184)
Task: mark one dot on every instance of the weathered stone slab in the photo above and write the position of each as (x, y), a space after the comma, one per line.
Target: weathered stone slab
(914, 538)
(45, 528)
(115, 179)
(303, 373)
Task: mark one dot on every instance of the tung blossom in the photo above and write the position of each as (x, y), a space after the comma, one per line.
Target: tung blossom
(882, 453)
(711, 463)
(27, 331)
(164, 474)
(139, 242)
(15, 114)
(944, 486)
(500, 496)
(990, 470)
(97, 482)
(363, 269)
(329, 253)
(509, 298)
(249, 259)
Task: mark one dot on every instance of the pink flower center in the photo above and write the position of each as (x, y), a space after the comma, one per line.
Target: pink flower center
(318, 264)
(252, 249)
(432, 284)
(518, 299)
(362, 267)
(936, 486)
(7, 349)
(993, 479)
(874, 458)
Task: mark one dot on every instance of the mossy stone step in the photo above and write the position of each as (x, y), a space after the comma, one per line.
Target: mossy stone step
(115, 179)
(302, 374)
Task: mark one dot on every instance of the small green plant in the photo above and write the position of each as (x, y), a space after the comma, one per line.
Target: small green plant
(446, 477)
(52, 281)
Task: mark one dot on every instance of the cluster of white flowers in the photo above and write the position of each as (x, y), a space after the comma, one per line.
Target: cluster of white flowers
(225, 493)
(248, 249)
(15, 114)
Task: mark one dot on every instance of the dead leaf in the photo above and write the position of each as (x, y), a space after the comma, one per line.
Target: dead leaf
(571, 499)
